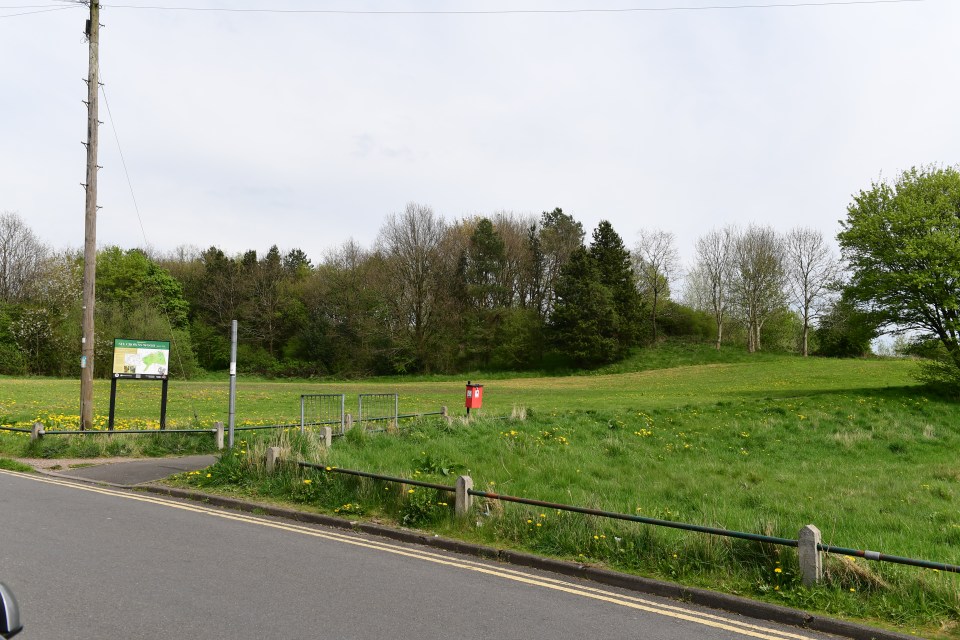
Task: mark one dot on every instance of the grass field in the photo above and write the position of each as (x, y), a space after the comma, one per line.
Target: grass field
(762, 444)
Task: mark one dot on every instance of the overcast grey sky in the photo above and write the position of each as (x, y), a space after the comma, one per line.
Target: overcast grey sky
(243, 129)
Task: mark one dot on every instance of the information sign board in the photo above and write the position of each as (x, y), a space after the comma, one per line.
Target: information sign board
(144, 359)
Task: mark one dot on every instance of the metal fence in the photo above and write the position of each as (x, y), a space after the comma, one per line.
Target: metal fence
(326, 409)
(379, 407)
(754, 537)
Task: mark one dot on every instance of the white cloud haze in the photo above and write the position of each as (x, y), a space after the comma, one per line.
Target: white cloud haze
(243, 130)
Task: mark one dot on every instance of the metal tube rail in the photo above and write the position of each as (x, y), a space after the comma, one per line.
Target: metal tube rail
(755, 537)
(883, 557)
(124, 431)
(377, 476)
(17, 429)
(267, 426)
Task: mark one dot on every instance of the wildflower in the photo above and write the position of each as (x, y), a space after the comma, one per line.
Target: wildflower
(410, 490)
(778, 570)
(852, 589)
(539, 524)
(329, 468)
(596, 537)
(307, 481)
(209, 475)
(529, 521)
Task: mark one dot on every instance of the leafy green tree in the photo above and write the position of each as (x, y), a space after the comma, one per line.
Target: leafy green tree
(902, 244)
(615, 271)
(844, 331)
(128, 278)
(584, 319)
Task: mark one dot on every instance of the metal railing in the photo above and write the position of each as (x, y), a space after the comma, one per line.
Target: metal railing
(753, 537)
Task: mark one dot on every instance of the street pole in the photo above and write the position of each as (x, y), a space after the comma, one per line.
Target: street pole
(233, 382)
(90, 222)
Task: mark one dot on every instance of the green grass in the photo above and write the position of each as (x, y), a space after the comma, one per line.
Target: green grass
(760, 443)
(13, 465)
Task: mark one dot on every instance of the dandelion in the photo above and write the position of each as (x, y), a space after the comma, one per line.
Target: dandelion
(539, 524)
(307, 481)
(778, 570)
(852, 589)
(209, 475)
(529, 521)
(329, 468)
(596, 537)
(411, 490)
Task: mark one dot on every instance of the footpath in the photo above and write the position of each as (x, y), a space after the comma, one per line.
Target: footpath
(125, 472)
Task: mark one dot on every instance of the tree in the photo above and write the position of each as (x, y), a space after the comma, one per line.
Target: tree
(22, 257)
(711, 275)
(615, 272)
(844, 331)
(584, 320)
(552, 243)
(655, 263)
(757, 286)
(410, 246)
(812, 270)
(902, 244)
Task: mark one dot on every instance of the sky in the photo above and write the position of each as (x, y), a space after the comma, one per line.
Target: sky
(245, 129)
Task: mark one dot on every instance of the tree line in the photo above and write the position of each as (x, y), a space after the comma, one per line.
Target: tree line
(503, 292)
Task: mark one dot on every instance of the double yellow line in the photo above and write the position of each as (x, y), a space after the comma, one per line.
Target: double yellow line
(592, 593)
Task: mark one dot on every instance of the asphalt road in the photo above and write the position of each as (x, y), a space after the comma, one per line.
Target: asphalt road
(106, 564)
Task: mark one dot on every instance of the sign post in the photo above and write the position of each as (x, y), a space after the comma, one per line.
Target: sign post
(140, 360)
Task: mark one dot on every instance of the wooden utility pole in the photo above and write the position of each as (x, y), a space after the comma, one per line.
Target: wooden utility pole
(90, 221)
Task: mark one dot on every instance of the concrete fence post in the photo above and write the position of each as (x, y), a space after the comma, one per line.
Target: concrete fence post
(328, 437)
(347, 422)
(218, 434)
(273, 456)
(462, 499)
(811, 559)
(37, 431)
(445, 414)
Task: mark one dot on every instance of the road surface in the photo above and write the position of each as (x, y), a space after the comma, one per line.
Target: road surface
(90, 562)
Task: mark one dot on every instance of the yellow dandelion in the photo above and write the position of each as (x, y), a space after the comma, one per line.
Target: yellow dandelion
(307, 481)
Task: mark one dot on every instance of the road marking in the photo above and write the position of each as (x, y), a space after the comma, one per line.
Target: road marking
(593, 593)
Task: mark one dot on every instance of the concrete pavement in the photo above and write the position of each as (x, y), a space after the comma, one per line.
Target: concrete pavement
(137, 471)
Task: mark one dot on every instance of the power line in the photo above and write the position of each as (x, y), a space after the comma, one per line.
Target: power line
(779, 5)
(30, 13)
(146, 242)
(467, 12)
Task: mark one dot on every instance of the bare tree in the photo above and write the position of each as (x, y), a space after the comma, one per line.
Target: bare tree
(812, 267)
(711, 274)
(410, 245)
(22, 257)
(759, 279)
(655, 263)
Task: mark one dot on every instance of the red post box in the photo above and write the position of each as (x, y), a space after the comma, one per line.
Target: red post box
(474, 396)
